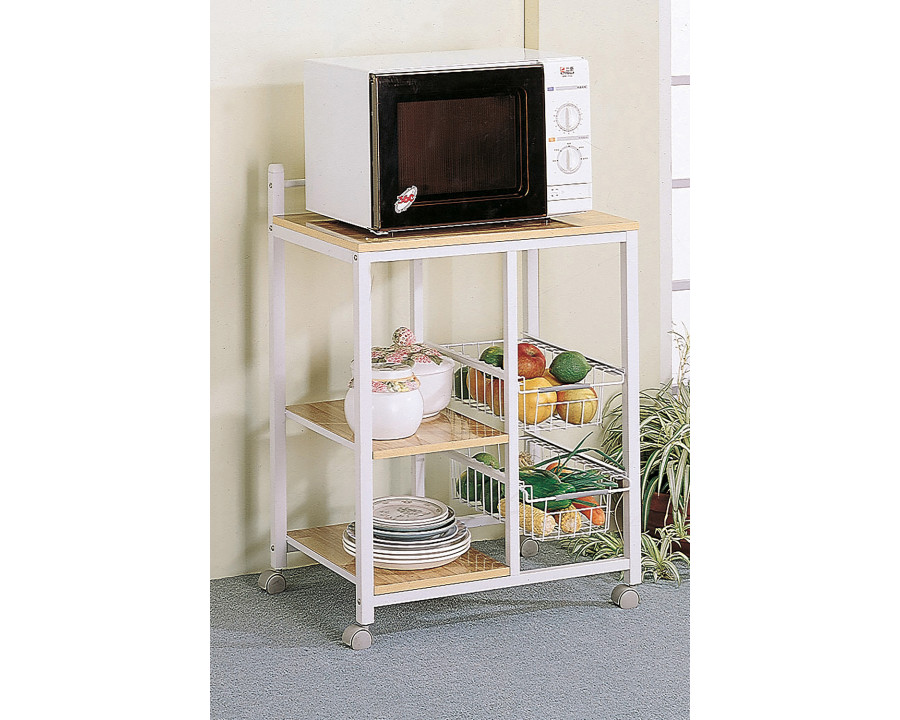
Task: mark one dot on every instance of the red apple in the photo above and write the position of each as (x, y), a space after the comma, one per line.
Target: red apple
(532, 362)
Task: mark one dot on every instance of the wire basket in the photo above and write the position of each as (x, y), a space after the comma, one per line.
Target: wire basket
(543, 405)
(583, 512)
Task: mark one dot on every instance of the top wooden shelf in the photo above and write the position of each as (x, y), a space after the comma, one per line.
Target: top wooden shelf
(359, 240)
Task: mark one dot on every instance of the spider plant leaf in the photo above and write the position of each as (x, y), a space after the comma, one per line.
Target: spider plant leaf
(677, 476)
(671, 571)
(645, 509)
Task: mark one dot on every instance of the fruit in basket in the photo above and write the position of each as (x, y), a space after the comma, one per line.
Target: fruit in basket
(548, 376)
(577, 406)
(535, 407)
(532, 362)
(570, 366)
(492, 356)
(481, 388)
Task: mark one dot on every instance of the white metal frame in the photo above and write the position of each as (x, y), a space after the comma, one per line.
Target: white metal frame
(366, 600)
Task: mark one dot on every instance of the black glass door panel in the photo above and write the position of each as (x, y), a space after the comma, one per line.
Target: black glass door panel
(470, 142)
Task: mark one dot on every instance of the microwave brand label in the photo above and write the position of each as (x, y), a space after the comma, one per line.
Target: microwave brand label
(567, 70)
(405, 199)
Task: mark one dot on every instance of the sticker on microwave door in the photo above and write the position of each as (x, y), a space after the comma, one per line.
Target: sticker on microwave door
(567, 70)
(405, 199)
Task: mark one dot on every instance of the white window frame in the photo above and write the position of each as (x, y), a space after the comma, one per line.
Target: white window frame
(667, 185)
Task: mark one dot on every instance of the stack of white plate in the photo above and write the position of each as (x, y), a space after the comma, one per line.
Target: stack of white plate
(412, 533)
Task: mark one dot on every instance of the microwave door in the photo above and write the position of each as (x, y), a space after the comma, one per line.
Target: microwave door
(458, 147)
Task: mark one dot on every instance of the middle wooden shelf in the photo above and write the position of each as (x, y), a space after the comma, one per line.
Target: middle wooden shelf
(446, 431)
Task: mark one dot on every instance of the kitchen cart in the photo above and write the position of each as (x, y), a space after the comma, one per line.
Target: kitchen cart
(470, 424)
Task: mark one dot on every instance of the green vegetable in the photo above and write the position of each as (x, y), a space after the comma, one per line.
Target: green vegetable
(474, 486)
(493, 356)
(487, 459)
(460, 388)
(545, 484)
(589, 480)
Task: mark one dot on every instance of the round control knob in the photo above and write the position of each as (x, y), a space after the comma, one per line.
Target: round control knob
(569, 159)
(568, 117)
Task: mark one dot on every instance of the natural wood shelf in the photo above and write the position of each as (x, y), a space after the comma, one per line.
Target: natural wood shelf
(357, 239)
(446, 431)
(474, 565)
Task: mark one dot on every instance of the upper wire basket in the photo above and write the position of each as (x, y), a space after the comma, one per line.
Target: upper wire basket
(544, 403)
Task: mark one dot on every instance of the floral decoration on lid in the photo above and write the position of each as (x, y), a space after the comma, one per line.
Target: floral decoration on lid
(406, 350)
(387, 378)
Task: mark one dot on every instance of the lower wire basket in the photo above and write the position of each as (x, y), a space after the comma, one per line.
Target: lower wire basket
(478, 481)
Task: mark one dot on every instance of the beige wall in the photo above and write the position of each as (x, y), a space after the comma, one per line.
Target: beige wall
(257, 50)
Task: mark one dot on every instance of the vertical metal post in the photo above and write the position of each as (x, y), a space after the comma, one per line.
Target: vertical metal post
(511, 403)
(417, 299)
(532, 303)
(628, 253)
(417, 325)
(362, 355)
(418, 469)
(277, 403)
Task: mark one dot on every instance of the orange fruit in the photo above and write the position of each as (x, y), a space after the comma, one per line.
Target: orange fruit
(483, 388)
(534, 407)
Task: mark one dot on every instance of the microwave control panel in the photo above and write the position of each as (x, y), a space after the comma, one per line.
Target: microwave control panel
(568, 122)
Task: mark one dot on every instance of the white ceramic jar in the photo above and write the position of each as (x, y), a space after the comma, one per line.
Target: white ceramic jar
(434, 371)
(397, 403)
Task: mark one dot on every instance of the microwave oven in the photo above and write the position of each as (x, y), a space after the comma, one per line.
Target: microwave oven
(417, 140)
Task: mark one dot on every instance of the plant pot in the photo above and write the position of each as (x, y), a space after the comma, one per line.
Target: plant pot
(661, 515)
(683, 545)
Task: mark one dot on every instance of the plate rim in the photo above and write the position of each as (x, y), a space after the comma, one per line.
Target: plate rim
(443, 507)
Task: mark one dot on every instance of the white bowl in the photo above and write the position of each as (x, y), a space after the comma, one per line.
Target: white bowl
(436, 384)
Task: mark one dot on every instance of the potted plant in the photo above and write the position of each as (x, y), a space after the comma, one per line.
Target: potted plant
(659, 555)
(665, 442)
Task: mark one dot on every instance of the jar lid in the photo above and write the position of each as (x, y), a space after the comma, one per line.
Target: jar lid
(392, 378)
(391, 371)
(405, 349)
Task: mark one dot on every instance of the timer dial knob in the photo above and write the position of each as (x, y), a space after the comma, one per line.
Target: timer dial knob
(569, 159)
(568, 117)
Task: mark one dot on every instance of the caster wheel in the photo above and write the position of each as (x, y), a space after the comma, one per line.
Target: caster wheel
(529, 548)
(625, 596)
(357, 637)
(272, 582)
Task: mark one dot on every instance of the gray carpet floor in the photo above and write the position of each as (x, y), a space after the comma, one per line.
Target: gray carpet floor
(549, 651)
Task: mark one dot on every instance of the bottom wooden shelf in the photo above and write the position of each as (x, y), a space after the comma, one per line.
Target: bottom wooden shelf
(474, 565)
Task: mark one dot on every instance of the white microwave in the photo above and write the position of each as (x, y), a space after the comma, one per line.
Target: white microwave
(397, 142)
